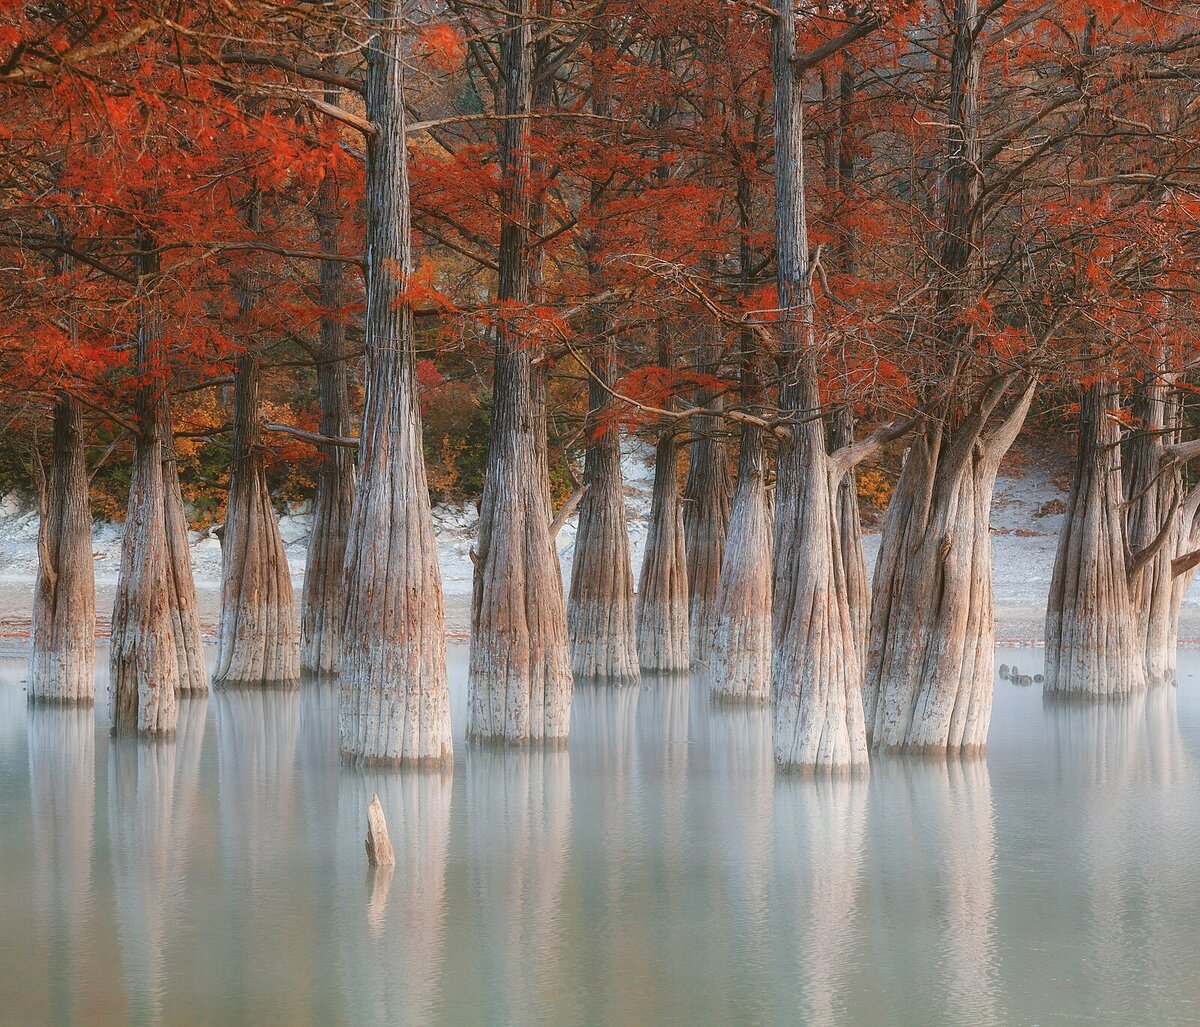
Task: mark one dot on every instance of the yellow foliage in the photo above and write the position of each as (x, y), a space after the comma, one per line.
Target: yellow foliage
(874, 487)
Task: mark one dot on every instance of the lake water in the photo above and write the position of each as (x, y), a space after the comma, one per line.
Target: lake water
(659, 871)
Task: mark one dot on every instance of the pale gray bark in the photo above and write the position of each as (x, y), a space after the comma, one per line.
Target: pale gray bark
(816, 678)
(394, 700)
(1092, 645)
(321, 598)
(928, 685)
(520, 669)
(663, 642)
(62, 666)
(739, 658)
(144, 673)
(707, 498)
(858, 584)
(600, 605)
(258, 634)
(181, 584)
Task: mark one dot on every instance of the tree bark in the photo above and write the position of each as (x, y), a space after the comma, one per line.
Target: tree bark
(520, 667)
(707, 498)
(600, 606)
(663, 641)
(258, 636)
(62, 667)
(1157, 503)
(144, 674)
(181, 584)
(929, 680)
(321, 598)
(1092, 631)
(394, 700)
(858, 584)
(816, 679)
(739, 658)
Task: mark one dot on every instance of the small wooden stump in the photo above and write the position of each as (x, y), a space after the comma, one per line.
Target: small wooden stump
(379, 846)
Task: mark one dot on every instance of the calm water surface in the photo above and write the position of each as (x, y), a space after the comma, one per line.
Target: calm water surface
(659, 871)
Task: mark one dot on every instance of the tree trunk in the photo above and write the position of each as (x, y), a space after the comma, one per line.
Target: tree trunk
(816, 679)
(1091, 626)
(858, 584)
(1157, 502)
(929, 665)
(181, 585)
(520, 666)
(321, 599)
(258, 636)
(394, 702)
(707, 497)
(739, 658)
(62, 667)
(600, 610)
(662, 596)
(144, 674)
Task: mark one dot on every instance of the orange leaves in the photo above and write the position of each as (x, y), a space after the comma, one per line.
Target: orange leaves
(444, 47)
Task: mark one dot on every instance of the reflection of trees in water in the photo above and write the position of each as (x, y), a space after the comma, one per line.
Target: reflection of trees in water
(257, 734)
(928, 914)
(1129, 783)
(518, 828)
(819, 832)
(62, 784)
(743, 787)
(145, 855)
(392, 920)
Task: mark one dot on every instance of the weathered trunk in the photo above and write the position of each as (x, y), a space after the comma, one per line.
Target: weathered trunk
(520, 668)
(62, 667)
(707, 498)
(600, 606)
(395, 704)
(816, 678)
(144, 674)
(181, 585)
(739, 658)
(662, 597)
(1091, 624)
(1157, 503)
(258, 634)
(321, 598)
(929, 681)
(854, 561)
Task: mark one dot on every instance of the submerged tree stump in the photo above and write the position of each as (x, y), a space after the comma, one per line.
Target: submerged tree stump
(378, 844)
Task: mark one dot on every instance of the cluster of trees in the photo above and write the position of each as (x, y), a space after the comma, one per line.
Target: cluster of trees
(791, 234)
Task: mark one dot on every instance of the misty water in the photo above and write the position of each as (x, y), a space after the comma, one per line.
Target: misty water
(657, 871)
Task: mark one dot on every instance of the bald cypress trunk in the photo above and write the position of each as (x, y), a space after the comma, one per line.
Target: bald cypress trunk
(662, 597)
(600, 608)
(258, 636)
(181, 584)
(1092, 636)
(739, 659)
(520, 669)
(321, 598)
(929, 663)
(1157, 503)
(816, 679)
(62, 667)
(394, 701)
(707, 500)
(858, 584)
(144, 674)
